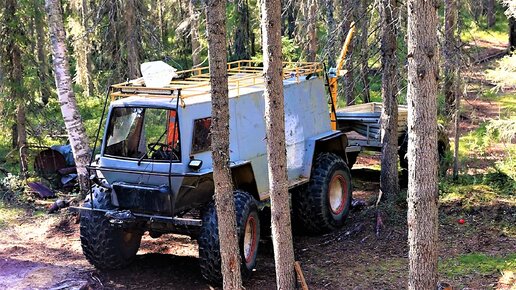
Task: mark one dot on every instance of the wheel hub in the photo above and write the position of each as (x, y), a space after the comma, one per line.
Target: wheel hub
(249, 239)
(337, 193)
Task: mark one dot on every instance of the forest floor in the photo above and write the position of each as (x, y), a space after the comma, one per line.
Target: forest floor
(40, 251)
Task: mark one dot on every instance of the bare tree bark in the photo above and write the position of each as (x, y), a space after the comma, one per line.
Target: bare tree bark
(161, 26)
(422, 145)
(43, 70)
(72, 118)
(491, 16)
(389, 185)
(224, 201)
(14, 69)
(291, 13)
(276, 148)
(22, 136)
(312, 30)
(132, 38)
(194, 34)
(456, 134)
(451, 86)
(82, 49)
(330, 26)
(364, 19)
(242, 30)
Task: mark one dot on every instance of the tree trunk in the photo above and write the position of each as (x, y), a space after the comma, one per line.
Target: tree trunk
(491, 16)
(330, 26)
(456, 134)
(389, 186)
(22, 137)
(225, 206)
(43, 71)
(512, 33)
(72, 118)
(450, 57)
(14, 70)
(312, 30)
(161, 27)
(422, 146)
(276, 149)
(291, 19)
(242, 32)
(82, 50)
(364, 50)
(194, 34)
(132, 31)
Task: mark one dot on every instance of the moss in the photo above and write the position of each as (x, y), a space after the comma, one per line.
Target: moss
(477, 263)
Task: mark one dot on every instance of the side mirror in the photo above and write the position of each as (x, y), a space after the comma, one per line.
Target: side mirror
(195, 164)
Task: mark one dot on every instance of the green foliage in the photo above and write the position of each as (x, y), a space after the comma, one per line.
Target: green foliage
(477, 190)
(476, 30)
(289, 49)
(504, 75)
(477, 263)
(11, 189)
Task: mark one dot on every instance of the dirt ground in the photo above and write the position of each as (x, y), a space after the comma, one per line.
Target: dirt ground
(43, 252)
(39, 251)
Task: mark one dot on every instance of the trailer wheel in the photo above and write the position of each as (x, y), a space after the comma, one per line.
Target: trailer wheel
(106, 246)
(248, 228)
(324, 204)
(352, 158)
(443, 147)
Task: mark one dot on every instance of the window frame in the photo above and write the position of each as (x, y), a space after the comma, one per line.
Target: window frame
(145, 108)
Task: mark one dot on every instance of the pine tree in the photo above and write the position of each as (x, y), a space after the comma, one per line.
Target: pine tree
(276, 148)
(389, 118)
(422, 144)
(225, 205)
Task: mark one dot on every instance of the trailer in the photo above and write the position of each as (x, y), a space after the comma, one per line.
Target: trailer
(362, 126)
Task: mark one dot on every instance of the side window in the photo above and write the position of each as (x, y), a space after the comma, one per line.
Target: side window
(201, 140)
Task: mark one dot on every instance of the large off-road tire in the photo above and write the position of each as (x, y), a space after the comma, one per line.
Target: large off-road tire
(324, 204)
(104, 245)
(248, 228)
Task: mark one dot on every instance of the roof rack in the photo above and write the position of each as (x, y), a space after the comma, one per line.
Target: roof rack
(196, 81)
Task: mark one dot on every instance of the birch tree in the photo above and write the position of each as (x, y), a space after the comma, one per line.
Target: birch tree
(422, 144)
(72, 118)
(225, 205)
(276, 148)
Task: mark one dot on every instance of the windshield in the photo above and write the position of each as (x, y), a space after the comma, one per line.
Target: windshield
(143, 133)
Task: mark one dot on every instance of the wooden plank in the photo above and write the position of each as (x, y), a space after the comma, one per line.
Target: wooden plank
(359, 120)
(300, 276)
(364, 143)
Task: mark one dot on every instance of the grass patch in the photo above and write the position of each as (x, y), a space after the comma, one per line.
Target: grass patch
(477, 263)
(476, 29)
(478, 189)
(8, 215)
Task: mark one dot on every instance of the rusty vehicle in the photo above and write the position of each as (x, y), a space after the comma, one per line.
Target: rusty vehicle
(154, 169)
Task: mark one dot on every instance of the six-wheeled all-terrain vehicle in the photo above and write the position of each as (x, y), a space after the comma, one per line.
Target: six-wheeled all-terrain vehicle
(154, 167)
